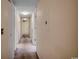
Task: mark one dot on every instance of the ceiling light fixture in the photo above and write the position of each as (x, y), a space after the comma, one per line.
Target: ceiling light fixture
(25, 13)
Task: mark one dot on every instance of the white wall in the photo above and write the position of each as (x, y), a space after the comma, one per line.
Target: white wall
(17, 27)
(34, 27)
(12, 32)
(58, 38)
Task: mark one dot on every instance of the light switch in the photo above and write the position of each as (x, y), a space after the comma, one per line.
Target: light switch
(45, 22)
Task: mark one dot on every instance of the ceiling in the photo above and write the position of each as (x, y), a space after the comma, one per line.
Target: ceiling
(25, 5)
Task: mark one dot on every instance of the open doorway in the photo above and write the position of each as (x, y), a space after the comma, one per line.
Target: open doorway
(25, 34)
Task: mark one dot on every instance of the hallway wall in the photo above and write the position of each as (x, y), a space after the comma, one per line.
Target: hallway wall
(17, 27)
(32, 30)
(58, 38)
(12, 32)
(5, 13)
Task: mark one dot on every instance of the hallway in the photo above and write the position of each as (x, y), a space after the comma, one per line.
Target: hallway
(25, 46)
(20, 32)
(39, 29)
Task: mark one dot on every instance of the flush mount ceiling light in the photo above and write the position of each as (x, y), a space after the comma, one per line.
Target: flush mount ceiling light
(25, 13)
